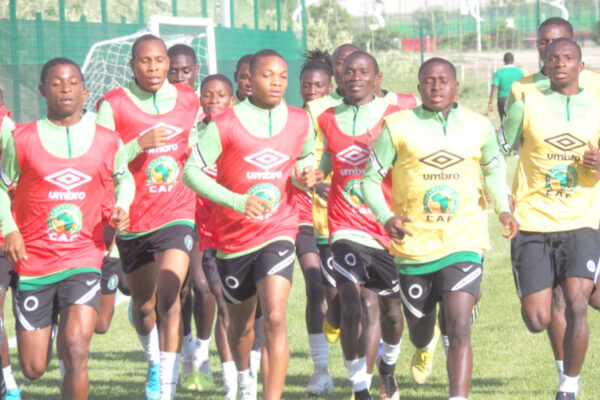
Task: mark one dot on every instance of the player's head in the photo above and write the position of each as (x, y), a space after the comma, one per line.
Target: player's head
(183, 67)
(268, 78)
(550, 30)
(563, 63)
(149, 62)
(315, 75)
(216, 93)
(509, 58)
(360, 72)
(241, 76)
(437, 84)
(63, 87)
(338, 57)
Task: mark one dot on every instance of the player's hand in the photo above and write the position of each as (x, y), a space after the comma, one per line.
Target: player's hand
(120, 218)
(256, 206)
(320, 176)
(14, 247)
(512, 203)
(490, 107)
(371, 140)
(396, 229)
(591, 157)
(509, 222)
(307, 178)
(322, 189)
(156, 137)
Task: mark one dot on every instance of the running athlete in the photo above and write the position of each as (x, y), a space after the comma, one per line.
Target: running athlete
(257, 146)
(61, 166)
(437, 223)
(241, 76)
(315, 82)
(196, 374)
(359, 245)
(154, 119)
(556, 190)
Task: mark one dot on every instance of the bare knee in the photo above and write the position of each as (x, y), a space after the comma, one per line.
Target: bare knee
(168, 308)
(33, 369)
(459, 332)
(102, 325)
(75, 354)
(351, 311)
(536, 321)
(576, 310)
(274, 322)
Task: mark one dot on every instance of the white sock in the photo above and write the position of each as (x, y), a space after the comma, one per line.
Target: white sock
(244, 378)
(229, 374)
(369, 380)
(201, 355)
(390, 352)
(150, 346)
(357, 372)
(560, 368)
(255, 356)
(61, 367)
(169, 374)
(319, 350)
(188, 346)
(569, 384)
(457, 398)
(446, 343)
(9, 378)
(430, 345)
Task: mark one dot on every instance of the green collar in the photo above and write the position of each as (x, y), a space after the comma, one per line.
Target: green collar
(456, 111)
(165, 90)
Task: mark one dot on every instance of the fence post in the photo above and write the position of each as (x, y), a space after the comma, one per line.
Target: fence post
(84, 32)
(421, 42)
(256, 14)
(141, 12)
(304, 26)
(14, 33)
(278, 8)
(63, 27)
(204, 9)
(103, 11)
(174, 7)
(231, 14)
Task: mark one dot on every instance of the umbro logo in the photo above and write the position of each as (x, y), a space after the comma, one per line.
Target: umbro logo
(266, 159)
(354, 155)
(68, 178)
(441, 159)
(172, 131)
(565, 142)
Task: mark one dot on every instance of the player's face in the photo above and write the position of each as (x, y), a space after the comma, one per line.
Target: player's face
(438, 87)
(269, 81)
(150, 65)
(314, 84)
(549, 34)
(182, 69)
(216, 95)
(338, 64)
(64, 92)
(359, 80)
(242, 80)
(563, 64)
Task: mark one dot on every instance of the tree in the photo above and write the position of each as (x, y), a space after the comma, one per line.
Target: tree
(329, 25)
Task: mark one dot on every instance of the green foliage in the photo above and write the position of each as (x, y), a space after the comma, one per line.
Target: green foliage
(380, 39)
(329, 25)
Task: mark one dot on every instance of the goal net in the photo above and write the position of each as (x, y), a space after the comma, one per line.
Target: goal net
(106, 65)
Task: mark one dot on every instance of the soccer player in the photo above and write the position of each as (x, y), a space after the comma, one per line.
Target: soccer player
(183, 65)
(359, 245)
(241, 76)
(503, 80)
(556, 190)
(154, 119)
(61, 166)
(437, 223)
(257, 146)
(315, 82)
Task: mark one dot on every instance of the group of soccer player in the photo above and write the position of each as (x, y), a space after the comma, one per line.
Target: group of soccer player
(199, 199)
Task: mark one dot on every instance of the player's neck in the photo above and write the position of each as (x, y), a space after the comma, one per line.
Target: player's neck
(60, 120)
(258, 103)
(570, 89)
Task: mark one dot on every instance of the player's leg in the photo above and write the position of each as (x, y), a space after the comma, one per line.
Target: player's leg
(372, 329)
(109, 286)
(7, 277)
(331, 321)
(557, 328)
(595, 299)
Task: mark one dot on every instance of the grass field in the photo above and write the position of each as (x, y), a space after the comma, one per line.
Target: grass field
(510, 363)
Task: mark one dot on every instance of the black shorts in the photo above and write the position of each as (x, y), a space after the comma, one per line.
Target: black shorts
(8, 277)
(241, 275)
(113, 277)
(306, 241)
(366, 266)
(140, 251)
(420, 293)
(211, 270)
(326, 265)
(39, 308)
(543, 260)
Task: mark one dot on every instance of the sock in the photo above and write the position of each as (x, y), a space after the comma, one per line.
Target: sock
(368, 380)
(244, 378)
(569, 384)
(319, 350)
(9, 378)
(560, 368)
(169, 374)
(357, 372)
(390, 353)
(446, 343)
(201, 355)
(457, 398)
(362, 395)
(430, 345)
(150, 346)
(229, 374)
(188, 346)
(255, 362)
(61, 367)
(259, 333)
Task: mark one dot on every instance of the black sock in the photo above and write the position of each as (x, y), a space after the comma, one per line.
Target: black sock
(386, 368)
(362, 395)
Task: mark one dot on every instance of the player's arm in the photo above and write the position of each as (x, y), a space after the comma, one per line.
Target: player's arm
(124, 185)
(6, 128)
(14, 246)
(511, 130)
(325, 165)
(512, 95)
(304, 176)
(204, 153)
(492, 96)
(106, 118)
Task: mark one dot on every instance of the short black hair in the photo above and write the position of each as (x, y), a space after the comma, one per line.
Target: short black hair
(509, 58)
(557, 21)
(564, 40)
(436, 60)
(58, 61)
(244, 60)
(340, 48)
(317, 60)
(360, 53)
(220, 78)
(182, 50)
(145, 38)
(263, 54)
